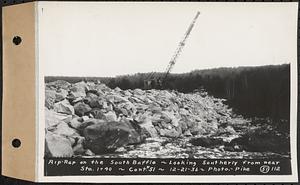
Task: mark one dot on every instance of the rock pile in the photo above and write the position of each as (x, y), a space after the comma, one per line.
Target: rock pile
(88, 118)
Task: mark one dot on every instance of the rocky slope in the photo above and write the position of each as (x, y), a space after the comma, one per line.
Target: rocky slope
(90, 119)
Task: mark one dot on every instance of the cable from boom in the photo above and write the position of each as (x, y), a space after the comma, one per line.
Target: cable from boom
(157, 82)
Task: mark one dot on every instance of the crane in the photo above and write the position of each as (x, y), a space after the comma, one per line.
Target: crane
(150, 81)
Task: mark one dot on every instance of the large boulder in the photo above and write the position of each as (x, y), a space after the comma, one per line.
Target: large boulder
(105, 137)
(149, 128)
(173, 133)
(200, 127)
(50, 96)
(63, 107)
(52, 119)
(101, 88)
(127, 108)
(127, 93)
(111, 116)
(138, 91)
(117, 89)
(81, 109)
(82, 123)
(60, 95)
(78, 122)
(63, 129)
(57, 146)
(116, 99)
(59, 84)
(73, 95)
(78, 90)
(97, 113)
(92, 100)
(225, 131)
(137, 134)
(78, 146)
(170, 117)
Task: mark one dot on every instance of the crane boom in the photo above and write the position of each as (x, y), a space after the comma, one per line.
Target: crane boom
(153, 82)
(180, 47)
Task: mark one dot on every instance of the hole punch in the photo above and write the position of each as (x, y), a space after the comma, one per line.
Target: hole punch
(16, 143)
(17, 40)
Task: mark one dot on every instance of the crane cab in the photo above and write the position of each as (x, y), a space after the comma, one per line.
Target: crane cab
(154, 83)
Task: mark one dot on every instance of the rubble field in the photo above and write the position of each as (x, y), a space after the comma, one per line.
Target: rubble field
(89, 119)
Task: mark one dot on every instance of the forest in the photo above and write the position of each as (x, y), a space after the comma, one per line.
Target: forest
(262, 91)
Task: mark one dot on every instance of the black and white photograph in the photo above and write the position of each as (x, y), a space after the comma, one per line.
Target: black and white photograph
(168, 88)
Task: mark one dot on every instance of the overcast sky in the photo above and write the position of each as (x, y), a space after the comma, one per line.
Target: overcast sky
(108, 39)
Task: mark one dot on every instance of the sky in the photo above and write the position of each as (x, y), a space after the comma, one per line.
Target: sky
(106, 39)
